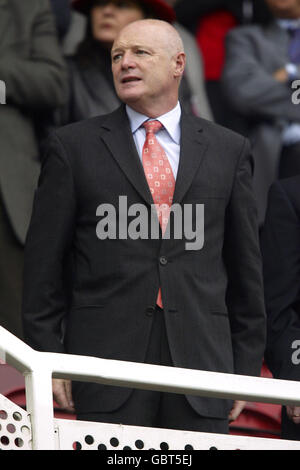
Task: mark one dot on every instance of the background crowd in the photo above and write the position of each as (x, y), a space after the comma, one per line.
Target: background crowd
(242, 59)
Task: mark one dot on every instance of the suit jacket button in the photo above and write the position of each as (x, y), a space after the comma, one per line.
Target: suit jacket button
(150, 311)
(163, 260)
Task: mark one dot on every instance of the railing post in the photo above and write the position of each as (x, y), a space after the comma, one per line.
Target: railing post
(39, 404)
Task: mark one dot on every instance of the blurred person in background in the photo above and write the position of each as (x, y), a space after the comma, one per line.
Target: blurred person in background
(280, 245)
(209, 21)
(32, 68)
(62, 13)
(91, 83)
(261, 64)
(191, 12)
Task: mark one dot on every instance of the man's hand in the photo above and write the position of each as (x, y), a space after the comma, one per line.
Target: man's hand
(293, 413)
(237, 408)
(281, 75)
(62, 393)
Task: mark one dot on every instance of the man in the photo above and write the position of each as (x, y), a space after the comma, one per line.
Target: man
(147, 298)
(35, 78)
(95, 29)
(261, 64)
(280, 244)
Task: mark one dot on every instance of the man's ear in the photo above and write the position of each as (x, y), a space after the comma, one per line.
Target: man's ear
(180, 61)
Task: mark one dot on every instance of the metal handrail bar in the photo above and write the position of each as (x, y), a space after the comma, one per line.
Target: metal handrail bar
(39, 368)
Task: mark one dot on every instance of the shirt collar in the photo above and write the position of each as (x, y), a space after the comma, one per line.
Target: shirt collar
(289, 23)
(170, 121)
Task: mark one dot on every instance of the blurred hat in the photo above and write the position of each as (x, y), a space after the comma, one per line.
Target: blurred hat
(160, 8)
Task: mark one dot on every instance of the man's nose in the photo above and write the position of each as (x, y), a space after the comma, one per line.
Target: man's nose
(128, 61)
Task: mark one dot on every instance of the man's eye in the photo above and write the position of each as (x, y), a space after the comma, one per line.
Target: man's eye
(141, 52)
(116, 57)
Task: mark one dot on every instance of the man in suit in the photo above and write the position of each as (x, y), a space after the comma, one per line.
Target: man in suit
(280, 243)
(88, 46)
(261, 64)
(33, 71)
(147, 298)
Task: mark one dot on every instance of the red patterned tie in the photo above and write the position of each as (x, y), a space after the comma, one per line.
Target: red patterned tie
(159, 176)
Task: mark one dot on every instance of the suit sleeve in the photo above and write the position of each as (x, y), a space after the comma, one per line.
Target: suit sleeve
(38, 80)
(280, 244)
(249, 87)
(48, 244)
(245, 298)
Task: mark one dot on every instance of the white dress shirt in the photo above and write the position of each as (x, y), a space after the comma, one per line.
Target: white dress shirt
(168, 137)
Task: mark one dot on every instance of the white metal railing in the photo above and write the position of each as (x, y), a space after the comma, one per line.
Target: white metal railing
(39, 368)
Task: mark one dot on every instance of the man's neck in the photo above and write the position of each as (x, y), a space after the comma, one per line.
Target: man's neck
(153, 110)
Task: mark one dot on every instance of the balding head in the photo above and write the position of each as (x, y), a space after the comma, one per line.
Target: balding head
(148, 62)
(159, 31)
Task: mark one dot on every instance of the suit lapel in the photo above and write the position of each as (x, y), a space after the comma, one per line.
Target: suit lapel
(117, 136)
(192, 150)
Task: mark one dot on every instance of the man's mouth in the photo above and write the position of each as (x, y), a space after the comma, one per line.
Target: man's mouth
(130, 79)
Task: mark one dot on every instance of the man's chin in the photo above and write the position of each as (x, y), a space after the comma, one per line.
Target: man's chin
(130, 97)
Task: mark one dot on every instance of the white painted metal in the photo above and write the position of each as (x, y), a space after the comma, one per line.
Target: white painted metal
(39, 405)
(38, 368)
(15, 434)
(100, 436)
(15, 427)
(177, 380)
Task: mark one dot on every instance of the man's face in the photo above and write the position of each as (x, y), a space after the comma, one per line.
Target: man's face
(283, 8)
(109, 17)
(143, 66)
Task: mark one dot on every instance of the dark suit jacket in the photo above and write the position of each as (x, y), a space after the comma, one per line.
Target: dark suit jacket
(213, 297)
(33, 70)
(280, 244)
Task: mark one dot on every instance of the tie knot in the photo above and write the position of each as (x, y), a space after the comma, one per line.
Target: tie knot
(152, 126)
